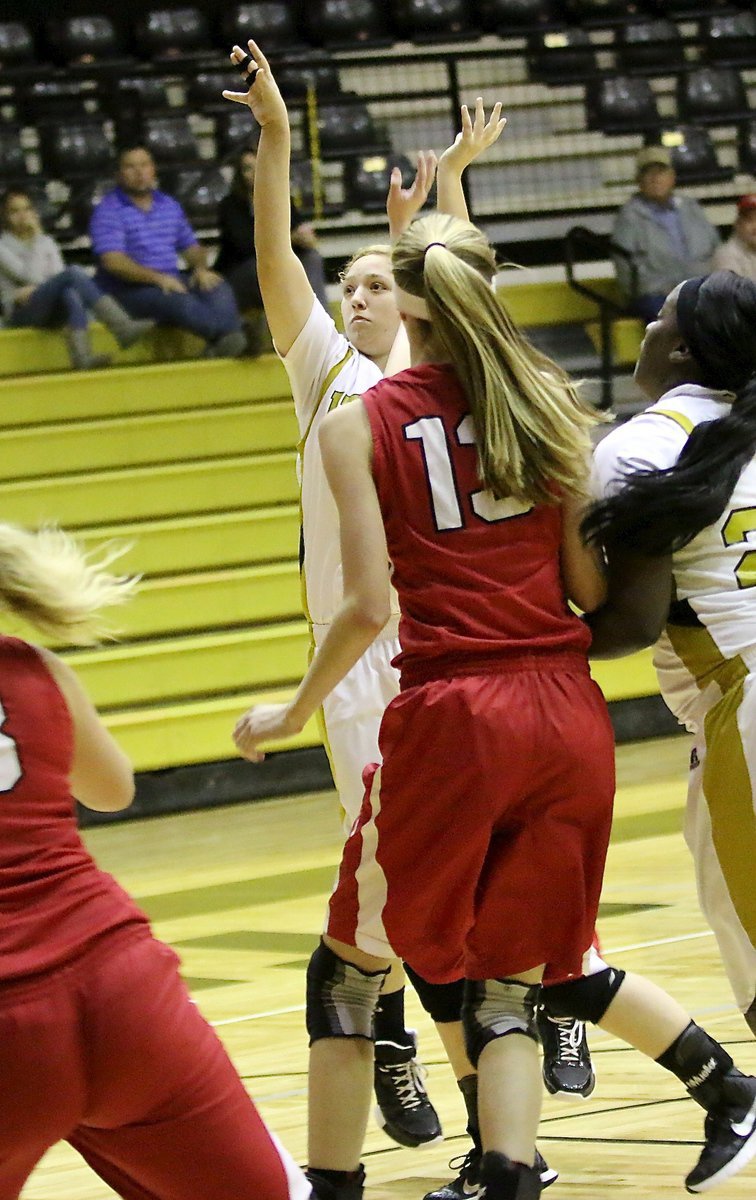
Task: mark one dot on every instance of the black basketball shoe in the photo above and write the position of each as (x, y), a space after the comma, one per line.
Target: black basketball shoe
(567, 1067)
(730, 1136)
(404, 1111)
(468, 1185)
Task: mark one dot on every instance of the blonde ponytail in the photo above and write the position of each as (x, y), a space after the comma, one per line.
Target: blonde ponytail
(532, 426)
(48, 579)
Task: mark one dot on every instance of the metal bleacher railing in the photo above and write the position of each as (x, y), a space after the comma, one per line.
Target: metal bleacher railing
(555, 160)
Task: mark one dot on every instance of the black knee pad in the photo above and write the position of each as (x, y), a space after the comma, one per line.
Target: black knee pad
(441, 1001)
(341, 998)
(586, 998)
(494, 1008)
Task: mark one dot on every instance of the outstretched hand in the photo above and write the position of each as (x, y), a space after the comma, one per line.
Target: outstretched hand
(263, 723)
(475, 136)
(263, 97)
(403, 203)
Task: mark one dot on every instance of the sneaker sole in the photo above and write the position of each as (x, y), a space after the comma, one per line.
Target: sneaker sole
(403, 1139)
(741, 1159)
(571, 1095)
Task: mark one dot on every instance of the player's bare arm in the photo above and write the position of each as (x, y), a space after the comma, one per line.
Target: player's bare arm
(102, 777)
(637, 605)
(403, 204)
(582, 565)
(345, 445)
(475, 137)
(285, 288)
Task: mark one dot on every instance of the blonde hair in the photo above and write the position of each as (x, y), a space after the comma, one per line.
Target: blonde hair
(532, 426)
(377, 248)
(48, 579)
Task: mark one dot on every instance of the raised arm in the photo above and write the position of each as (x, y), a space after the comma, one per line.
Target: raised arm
(474, 137)
(285, 288)
(402, 204)
(345, 445)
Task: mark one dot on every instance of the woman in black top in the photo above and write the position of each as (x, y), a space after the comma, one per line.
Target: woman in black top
(236, 256)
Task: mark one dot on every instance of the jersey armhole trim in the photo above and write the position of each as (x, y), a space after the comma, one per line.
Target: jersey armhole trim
(680, 419)
(324, 388)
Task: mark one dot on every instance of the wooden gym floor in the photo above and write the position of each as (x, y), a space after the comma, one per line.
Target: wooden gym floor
(240, 893)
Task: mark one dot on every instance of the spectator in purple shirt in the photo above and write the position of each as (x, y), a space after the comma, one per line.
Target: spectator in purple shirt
(138, 234)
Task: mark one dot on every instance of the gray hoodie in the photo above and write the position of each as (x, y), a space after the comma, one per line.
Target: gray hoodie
(660, 265)
(25, 261)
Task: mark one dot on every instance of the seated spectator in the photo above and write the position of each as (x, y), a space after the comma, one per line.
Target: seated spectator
(236, 259)
(138, 234)
(669, 237)
(738, 253)
(38, 290)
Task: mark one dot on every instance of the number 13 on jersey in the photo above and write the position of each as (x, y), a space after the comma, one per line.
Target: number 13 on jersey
(442, 483)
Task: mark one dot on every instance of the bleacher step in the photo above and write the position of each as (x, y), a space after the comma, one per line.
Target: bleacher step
(207, 541)
(144, 492)
(203, 664)
(567, 345)
(196, 731)
(45, 451)
(32, 399)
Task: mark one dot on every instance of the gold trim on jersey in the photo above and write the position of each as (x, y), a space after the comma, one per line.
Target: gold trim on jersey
(321, 395)
(679, 418)
(727, 784)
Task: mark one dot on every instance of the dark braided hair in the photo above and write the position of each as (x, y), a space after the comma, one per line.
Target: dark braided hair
(659, 511)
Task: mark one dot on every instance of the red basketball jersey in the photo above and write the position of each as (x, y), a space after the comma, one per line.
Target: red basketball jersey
(54, 900)
(479, 579)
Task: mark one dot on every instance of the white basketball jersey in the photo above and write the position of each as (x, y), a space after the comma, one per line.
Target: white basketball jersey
(715, 575)
(325, 371)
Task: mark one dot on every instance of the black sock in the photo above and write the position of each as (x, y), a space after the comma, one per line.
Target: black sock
(335, 1178)
(468, 1086)
(388, 1022)
(700, 1063)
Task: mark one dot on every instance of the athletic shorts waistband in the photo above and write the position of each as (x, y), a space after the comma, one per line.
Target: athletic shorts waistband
(105, 943)
(552, 662)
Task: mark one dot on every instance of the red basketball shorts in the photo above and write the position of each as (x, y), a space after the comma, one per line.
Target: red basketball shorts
(480, 846)
(111, 1054)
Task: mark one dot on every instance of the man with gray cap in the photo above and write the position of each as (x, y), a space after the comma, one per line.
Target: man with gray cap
(669, 237)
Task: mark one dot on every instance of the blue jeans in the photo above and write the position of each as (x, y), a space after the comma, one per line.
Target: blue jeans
(209, 314)
(64, 299)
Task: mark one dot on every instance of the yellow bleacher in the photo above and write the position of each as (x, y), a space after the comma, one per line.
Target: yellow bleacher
(192, 465)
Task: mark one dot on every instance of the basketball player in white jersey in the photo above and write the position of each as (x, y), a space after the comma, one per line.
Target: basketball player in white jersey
(679, 523)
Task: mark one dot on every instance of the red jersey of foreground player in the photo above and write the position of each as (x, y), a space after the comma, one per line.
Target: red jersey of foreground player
(489, 568)
(55, 900)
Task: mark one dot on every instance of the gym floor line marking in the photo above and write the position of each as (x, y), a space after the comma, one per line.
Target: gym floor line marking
(279, 1012)
(273, 1012)
(668, 941)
